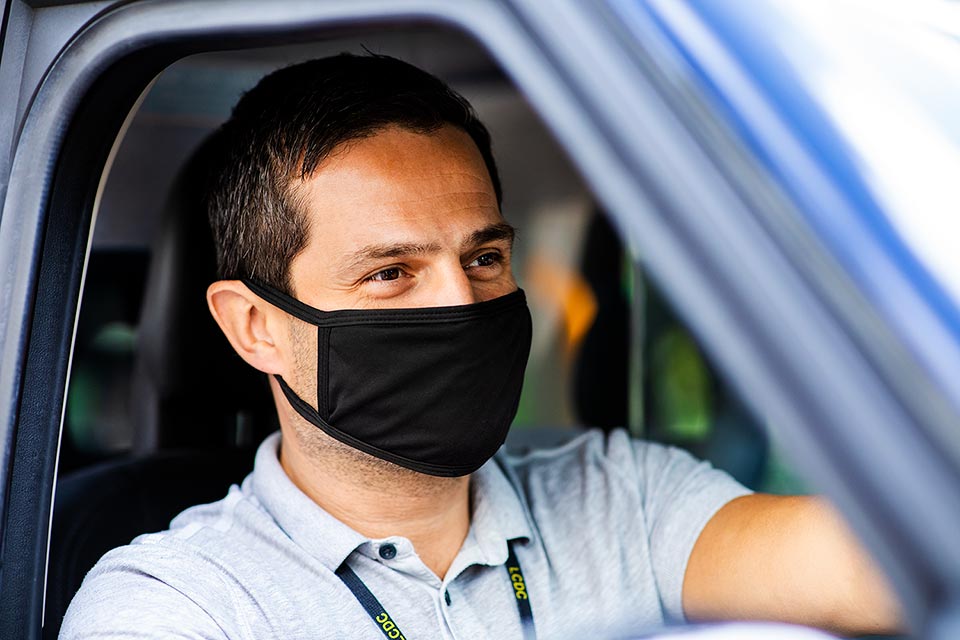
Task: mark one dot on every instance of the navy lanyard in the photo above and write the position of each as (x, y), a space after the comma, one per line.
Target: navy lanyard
(389, 627)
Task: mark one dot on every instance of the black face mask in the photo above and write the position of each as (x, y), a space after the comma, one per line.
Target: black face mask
(433, 390)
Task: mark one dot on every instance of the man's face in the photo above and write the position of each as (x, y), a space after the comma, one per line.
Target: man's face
(403, 219)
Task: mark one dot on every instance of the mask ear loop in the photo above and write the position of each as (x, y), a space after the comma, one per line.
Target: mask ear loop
(283, 301)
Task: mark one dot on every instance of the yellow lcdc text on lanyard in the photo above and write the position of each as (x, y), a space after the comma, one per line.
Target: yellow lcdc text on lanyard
(520, 589)
(389, 627)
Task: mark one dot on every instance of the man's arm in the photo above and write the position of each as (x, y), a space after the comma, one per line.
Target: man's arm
(787, 558)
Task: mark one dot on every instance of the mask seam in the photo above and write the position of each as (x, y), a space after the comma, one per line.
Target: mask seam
(323, 392)
(412, 318)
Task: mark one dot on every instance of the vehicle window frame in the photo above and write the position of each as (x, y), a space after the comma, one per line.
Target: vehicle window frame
(678, 232)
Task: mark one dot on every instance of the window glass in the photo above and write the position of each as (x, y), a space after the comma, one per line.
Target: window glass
(884, 74)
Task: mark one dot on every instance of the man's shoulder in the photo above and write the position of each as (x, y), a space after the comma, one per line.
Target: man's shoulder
(212, 565)
(613, 475)
(601, 488)
(201, 534)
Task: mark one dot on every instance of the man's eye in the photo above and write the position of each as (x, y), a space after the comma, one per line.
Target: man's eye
(387, 274)
(487, 260)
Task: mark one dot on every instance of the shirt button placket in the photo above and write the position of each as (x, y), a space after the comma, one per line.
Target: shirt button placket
(445, 610)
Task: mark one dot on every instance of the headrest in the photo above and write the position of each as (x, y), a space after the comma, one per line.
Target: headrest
(189, 388)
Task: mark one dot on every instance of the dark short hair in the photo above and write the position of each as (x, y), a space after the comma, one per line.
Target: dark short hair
(282, 129)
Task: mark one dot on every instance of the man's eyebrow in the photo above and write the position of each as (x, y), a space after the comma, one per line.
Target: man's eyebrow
(491, 233)
(375, 252)
(372, 253)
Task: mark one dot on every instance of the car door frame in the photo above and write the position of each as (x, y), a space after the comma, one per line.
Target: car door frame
(701, 229)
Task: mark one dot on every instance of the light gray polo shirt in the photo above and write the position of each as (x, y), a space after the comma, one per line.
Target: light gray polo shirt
(603, 526)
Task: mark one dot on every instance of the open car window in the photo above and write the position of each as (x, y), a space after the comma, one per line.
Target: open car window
(677, 285)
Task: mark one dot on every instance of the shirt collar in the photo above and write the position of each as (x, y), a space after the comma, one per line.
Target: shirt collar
(498, 512)
(303, 520)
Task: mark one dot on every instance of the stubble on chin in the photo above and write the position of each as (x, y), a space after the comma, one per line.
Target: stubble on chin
(326, 453)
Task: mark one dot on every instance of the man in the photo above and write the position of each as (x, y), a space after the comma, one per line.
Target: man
(366, 268)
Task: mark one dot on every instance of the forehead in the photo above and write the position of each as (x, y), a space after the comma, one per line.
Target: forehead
(398, 186)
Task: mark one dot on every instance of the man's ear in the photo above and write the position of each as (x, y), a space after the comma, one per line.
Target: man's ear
(253, 326)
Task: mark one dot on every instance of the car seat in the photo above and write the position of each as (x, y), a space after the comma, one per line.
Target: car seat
(198, 410)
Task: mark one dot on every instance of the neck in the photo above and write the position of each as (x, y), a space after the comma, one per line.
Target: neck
(379, 499)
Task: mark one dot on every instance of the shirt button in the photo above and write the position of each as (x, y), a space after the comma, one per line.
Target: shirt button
(388, 552)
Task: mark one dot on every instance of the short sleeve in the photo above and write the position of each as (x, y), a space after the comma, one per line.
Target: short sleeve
(680, 495)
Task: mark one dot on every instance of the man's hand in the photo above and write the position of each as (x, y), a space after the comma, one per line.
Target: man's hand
(787, 558)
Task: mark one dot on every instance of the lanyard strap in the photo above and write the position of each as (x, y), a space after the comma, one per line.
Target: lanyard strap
(521, 593)
(369, 602)
(390, 629)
